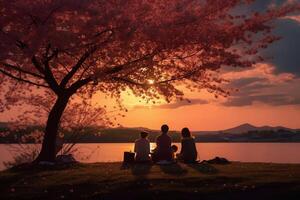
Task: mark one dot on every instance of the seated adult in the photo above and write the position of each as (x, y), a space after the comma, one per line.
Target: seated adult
(163, 151)
(188, 153)
(142, 148)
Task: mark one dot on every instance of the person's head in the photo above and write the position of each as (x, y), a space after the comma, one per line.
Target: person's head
(185, 133)
(144, 134)
(174, 148)
(164, 128)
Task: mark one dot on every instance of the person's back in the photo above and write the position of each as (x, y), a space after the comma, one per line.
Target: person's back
(142, 148)
(188, 147)
(163, 143)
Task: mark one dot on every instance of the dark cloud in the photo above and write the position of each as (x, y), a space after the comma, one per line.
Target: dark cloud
(254, 89)
(262, 5)
(244, 82)
(248, 86)
(263, 90)
(285, 53)
(272, 99)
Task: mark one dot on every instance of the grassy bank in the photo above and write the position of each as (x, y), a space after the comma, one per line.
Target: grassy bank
(178, 181)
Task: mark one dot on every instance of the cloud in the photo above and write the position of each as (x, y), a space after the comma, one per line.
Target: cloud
(247, 86)
(293, 17)
(175, 105)
(262, 85)
(260, 71)
(284, 54)
(272, 99)
(246, 82)
(278, 81)
(182, 103)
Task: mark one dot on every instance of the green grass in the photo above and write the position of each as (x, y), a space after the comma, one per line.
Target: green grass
(178, 181)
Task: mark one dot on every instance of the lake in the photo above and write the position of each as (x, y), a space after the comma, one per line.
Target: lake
(244, 152)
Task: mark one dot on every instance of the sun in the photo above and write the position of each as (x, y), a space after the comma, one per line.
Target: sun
(150, 81)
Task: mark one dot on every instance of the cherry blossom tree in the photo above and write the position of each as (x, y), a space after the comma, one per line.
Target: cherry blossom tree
(75, 48)
(77, 120)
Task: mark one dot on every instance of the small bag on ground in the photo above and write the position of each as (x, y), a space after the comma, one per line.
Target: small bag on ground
(128, 157)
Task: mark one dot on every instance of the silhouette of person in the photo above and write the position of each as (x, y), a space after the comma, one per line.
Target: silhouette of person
(188, 152)
(142, 148)
(163, 151)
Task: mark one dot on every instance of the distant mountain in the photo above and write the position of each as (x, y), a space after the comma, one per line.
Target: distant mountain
(242, 133)
(244, 128)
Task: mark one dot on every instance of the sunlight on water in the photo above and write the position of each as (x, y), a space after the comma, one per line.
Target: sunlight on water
(105, 152)
(245, 152)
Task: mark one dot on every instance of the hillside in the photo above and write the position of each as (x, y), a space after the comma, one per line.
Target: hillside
(242, 133)
(244, 128)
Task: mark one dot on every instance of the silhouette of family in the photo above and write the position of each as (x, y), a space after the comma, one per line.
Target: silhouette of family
(165, 152)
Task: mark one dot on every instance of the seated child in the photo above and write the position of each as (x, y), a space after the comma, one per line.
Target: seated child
(174, 150)
(142, 148)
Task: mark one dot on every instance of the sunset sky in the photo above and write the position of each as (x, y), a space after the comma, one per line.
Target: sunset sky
(269, 94)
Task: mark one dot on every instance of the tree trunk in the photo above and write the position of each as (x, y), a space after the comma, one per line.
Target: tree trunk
(48, 152)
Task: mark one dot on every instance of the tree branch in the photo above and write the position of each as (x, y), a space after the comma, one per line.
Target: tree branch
(49, 78)
(23, 80)
(78, 84)
(48, 57)
(79, 63)
(184, 76)
(17, 68)
(37, 65)
(118, 68)
(126, 80)
(83, 58)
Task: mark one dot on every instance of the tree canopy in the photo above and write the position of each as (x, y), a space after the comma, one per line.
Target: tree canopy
(150, 47)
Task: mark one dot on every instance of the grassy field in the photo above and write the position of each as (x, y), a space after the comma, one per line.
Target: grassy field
(178, 181)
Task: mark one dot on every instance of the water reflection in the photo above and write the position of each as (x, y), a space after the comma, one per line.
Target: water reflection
(245, 152)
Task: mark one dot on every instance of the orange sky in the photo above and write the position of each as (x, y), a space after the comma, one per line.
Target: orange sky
(213, 117)
(265, 98)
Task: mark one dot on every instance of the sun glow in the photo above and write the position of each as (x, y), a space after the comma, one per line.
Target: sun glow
(151, 82)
